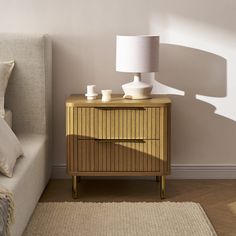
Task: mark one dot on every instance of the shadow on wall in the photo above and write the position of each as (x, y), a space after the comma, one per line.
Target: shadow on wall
(198, 134)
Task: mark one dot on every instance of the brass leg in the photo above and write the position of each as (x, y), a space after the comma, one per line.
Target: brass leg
(74, 187)
(157, 179)
(162, 186)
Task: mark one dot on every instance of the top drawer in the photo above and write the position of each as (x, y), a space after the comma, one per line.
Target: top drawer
(114, 123)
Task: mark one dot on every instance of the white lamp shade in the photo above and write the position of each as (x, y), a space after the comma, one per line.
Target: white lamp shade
(137, 54)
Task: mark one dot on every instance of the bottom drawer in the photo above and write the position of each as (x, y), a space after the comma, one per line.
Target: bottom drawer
(113, 156)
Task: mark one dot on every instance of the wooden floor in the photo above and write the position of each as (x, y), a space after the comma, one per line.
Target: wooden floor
(218, 197)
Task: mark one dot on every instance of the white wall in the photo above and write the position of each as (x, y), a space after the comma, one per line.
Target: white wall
(198, 62)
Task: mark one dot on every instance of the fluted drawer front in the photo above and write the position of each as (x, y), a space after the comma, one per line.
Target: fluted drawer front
(117, 123)
(80, 122)
(120, 123)
(114, 156)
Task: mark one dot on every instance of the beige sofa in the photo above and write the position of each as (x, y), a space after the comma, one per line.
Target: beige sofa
(29, 98)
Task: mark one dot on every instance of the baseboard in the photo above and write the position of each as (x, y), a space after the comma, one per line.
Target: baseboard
(196, 171)
(178, 171)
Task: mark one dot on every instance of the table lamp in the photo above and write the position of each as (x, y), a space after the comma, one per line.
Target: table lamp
(137, 54)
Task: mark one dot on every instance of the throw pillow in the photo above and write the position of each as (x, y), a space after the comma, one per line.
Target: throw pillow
(5, 73)
(10, 149)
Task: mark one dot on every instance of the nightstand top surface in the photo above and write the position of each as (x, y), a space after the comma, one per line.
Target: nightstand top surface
(117, 101)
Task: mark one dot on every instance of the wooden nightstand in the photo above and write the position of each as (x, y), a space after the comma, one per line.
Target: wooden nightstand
(118, 138)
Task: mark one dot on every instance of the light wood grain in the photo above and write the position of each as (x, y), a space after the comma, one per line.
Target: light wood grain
(126, 123)
(75, 133)
(79, 100)
(122, 137)
(114, 156)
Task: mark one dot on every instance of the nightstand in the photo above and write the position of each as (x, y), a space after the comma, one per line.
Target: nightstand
(118, 138)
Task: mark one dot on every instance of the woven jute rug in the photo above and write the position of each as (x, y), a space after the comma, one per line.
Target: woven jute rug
(119, 219)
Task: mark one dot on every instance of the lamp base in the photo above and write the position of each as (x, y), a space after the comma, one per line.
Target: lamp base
(137, 89)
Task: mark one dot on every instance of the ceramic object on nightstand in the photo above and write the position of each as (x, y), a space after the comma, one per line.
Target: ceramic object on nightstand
(106, 95)
(136, 89)
(91, 94)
